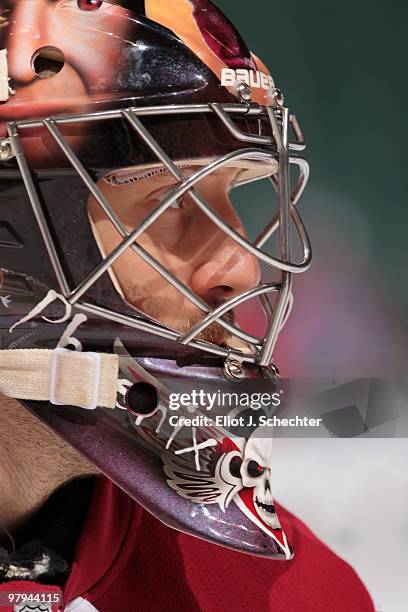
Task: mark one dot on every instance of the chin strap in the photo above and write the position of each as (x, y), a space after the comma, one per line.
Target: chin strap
(60, 376)
(5, 89)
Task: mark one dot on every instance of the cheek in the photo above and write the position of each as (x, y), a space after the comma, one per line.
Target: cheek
(131, 271)
(83, 43)
(230, 216)
(129, 267)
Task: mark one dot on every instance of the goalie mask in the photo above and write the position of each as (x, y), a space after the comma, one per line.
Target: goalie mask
(138, 317)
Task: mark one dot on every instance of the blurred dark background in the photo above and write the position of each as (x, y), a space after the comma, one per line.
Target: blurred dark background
(342, 68)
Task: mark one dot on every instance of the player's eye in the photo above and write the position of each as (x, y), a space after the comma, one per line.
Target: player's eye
(89, 5)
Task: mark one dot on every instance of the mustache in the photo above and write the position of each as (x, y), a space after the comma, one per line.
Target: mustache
(215, 332)
(155, 308)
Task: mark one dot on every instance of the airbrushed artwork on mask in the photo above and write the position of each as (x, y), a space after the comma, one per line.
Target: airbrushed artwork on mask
(53, 53)
(221, 36)
(207, 464)
(51, 56)
(212, 37)
(236, 470)
(51, 64)
(256, 472)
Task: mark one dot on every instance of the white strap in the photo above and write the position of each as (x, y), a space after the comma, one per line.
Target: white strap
(4, 77)
(80, 605)
(71, 378)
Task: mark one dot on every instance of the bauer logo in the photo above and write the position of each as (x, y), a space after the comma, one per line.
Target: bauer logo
(253, 78)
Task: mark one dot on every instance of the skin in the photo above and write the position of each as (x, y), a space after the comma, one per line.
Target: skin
(34, 463)
(185, 241)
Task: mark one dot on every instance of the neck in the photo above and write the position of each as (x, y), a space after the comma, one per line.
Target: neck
(34, 462)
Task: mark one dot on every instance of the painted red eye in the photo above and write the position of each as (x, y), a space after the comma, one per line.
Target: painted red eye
(89, 5)
(254, 469)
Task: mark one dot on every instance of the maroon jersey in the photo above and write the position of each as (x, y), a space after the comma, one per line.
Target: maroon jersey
(126, 560)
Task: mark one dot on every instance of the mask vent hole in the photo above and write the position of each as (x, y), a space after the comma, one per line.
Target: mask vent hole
(141, 399)
(47, 61)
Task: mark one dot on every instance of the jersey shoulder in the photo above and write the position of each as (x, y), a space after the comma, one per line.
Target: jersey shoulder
(315, 580)
(321, 572)
(172, 570)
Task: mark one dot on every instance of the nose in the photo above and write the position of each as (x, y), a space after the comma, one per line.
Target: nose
(25, 37)
(227, 269)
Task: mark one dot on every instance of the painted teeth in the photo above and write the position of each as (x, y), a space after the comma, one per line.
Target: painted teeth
(267, 507)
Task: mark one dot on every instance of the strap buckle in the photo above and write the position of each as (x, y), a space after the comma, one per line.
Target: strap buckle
(95, 358)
